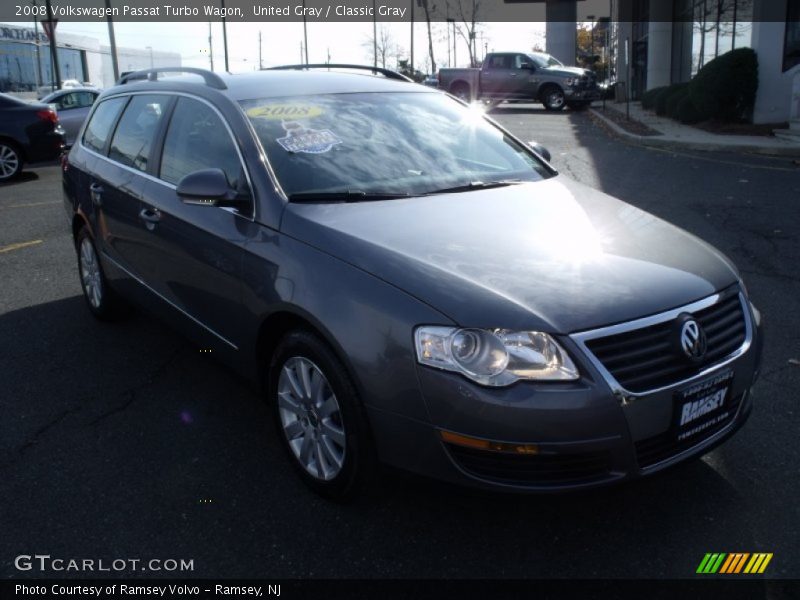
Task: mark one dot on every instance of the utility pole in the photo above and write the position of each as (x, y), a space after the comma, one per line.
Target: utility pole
(38, 54)
(56, 79)
(224, 36)
(374, 36)
(210, 48)
(112, 41)
(413, 2)
(260, 62)
(305, 32)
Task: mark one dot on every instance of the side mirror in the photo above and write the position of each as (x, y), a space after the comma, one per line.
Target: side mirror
(208, 187)
(540, 150)
(527, 66)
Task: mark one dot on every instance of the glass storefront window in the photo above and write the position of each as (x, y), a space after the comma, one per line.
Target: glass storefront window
(19, 71)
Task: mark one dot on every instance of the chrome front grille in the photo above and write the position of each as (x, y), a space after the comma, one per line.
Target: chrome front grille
(645, 358)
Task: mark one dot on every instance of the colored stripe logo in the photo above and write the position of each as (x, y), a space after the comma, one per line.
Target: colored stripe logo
(734, 563)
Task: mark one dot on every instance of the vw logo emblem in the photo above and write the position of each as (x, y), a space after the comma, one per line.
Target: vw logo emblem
(692, 339)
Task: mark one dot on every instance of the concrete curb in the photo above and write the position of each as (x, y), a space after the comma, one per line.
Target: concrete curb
(661, 141)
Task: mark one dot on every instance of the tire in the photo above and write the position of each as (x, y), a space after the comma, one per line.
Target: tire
(319, 417)
(553, 98)
(103, 302)
(461, 91)
(10, 161)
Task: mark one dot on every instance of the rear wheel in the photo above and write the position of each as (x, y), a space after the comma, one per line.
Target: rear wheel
(461, 91)
(103, 302)
(10, 160)
(320, 417)
(553, 98)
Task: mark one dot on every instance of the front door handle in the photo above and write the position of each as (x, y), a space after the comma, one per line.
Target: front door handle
(96, 193)
(151, 217)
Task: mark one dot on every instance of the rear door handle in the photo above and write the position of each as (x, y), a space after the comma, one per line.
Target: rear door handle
(512, 74)
(151, 217)
(96, 193)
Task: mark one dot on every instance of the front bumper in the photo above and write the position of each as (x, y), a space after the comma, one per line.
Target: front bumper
(585, 434)
(582, 95)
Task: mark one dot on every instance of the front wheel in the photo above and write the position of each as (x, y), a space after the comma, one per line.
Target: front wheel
(320, 417)
(553, 98)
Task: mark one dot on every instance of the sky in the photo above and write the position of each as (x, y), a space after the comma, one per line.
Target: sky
(346, 42)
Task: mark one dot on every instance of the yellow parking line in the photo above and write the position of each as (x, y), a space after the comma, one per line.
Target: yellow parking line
(19, 245)
(31, 204)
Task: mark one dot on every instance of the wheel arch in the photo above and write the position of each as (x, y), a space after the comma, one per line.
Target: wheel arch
(283, 319)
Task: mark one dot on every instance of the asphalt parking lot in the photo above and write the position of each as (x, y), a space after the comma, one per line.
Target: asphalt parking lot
(124, 441)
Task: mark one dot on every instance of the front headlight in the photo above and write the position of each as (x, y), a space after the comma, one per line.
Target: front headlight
(570, 81)
(494, 357)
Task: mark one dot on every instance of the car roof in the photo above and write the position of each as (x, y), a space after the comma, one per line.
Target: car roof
(279, 83)
(70, 91)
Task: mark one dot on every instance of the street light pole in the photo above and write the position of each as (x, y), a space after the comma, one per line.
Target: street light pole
(305, 31)
(374, 36)
(56, 79)
(112, 41)
(224, 36)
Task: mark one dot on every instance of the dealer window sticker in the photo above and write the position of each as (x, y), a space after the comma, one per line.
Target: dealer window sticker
(283, 112)
(301, 139)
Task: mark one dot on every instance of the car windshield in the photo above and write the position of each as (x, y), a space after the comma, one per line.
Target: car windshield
(370, 145)
(545, 60)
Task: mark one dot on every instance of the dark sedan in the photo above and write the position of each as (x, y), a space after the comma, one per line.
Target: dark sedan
(29, 133)
(410, 283)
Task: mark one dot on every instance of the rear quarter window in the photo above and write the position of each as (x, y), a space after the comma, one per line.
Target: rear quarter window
(99, 127)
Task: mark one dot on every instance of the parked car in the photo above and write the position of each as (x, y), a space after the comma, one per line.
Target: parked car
(72, 106)
(29, 133)
(531, 77)
(431, 81)
(409, 282)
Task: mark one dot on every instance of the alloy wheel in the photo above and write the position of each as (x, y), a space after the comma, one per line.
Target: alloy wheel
(90, 274)
(311, 418)
(9, 162)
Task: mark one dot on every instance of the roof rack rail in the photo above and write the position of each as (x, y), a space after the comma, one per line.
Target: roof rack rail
(212, 79)
(388, 73)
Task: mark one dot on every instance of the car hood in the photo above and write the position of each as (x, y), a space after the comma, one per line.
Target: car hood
(553, 255)
(567, 71)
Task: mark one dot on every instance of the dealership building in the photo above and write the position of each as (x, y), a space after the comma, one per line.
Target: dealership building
(25, 63)
(660, 42)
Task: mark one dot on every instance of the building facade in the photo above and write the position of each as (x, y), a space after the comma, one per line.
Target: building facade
(26, 66)
(661, 42)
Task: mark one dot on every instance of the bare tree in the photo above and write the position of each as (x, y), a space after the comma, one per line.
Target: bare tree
(467, 12)
(429, 8)
(385, 45)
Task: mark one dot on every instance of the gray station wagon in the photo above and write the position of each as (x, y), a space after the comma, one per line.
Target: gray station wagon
(408, 283)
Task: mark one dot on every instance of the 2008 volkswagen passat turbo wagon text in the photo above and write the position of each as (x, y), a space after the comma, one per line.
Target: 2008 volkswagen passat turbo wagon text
(408, 283)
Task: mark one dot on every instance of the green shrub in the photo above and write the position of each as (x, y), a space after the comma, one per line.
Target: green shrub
(686, 111)
(674, 99)
(725, 88)
(664, 96)
(649, 97)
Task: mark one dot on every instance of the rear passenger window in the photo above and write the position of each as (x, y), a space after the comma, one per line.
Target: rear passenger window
(137, 128)
(198, 139)
(99, 127)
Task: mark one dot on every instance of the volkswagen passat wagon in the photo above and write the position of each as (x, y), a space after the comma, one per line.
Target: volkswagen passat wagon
(409, 283)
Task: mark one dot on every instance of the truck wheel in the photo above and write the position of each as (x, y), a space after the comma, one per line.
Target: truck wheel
(461, 91)
(553, 98)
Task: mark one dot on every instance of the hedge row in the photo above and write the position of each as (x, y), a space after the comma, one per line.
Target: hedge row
(723, 90)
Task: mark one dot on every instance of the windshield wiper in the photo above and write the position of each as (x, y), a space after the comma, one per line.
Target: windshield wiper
(475, 185)
(345, 196)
